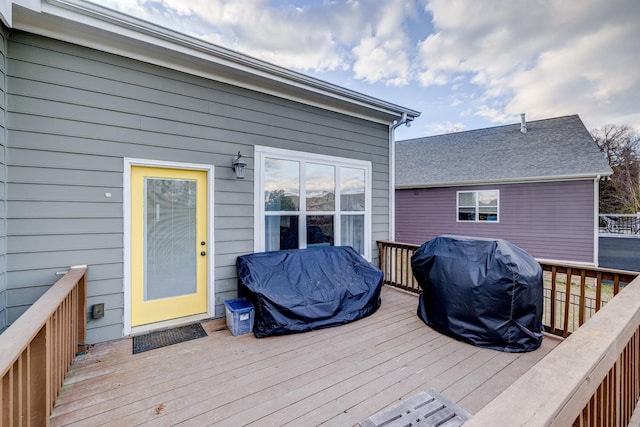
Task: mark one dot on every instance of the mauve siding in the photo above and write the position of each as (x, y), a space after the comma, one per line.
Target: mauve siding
(550, 220)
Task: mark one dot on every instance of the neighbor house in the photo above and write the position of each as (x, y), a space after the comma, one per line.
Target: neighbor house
(118, 139)
(534, 184)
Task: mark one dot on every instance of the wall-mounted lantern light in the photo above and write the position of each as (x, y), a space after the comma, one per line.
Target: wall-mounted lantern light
(238, 165)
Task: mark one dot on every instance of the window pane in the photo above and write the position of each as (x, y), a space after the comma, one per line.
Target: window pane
(281, 185)
(466, 214)
(352, 232)
(352, 187)
(319, 230)
(467, 199)
(488, 198)
(170, 238)
(281, 232)
(321, 187)
(488, 214)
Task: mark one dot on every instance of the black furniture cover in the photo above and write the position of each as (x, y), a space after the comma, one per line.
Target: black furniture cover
(487, 292)
(304, 289)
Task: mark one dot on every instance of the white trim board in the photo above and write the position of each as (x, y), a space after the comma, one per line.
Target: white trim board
(126, 244)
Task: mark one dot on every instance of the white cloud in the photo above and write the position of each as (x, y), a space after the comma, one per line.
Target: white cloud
(382, 53)
(444, 127)
(547, 58)
(367, 37)
(543, 57)
(304, 38)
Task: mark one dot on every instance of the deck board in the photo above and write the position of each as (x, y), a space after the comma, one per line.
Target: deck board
(334, 376)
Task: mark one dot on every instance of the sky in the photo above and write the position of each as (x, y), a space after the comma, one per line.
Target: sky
(464, 64)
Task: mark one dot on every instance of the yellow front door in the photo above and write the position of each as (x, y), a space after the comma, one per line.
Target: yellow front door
(168, 244)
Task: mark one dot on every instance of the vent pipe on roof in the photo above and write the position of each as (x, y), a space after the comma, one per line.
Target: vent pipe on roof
(523, 124)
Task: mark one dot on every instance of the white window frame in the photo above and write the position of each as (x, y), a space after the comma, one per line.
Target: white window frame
(477, 206)
(261, 152)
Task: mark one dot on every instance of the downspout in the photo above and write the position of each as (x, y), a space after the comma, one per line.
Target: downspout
(404, 120)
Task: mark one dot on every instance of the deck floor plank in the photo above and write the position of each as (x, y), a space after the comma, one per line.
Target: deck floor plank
(145, 366)
(334, 376)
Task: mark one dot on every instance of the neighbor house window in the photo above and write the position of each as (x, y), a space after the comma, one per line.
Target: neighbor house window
(478, 205)
(307, 200)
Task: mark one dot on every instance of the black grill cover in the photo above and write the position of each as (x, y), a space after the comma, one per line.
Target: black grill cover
(487, 292)
(304, 289)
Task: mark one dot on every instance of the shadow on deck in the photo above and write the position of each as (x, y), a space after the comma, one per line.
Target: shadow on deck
(336, 376)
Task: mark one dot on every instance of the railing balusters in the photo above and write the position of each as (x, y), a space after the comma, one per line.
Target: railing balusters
(37, 350)
(567, 303)
(583, 294)
(614, 400)
(553, 301)
(395, 262)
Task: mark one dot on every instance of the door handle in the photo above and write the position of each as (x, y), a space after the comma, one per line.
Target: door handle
(203, 253)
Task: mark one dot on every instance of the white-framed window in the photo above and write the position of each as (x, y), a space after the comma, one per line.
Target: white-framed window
(478, 206)
(305, 200)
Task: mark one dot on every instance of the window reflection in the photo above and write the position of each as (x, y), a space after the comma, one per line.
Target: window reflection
(281, 232)
(352, 184)
(314, 201)
(352, 231)
(320, 187)
(282, 185)
(467, 198)
(319, 230)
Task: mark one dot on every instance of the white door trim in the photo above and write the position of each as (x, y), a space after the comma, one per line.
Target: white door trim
(126, 209)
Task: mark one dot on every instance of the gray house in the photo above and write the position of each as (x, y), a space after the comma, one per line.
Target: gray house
(119, 145)
(534, 184)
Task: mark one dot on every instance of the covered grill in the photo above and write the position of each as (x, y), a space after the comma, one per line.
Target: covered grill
(487, 292)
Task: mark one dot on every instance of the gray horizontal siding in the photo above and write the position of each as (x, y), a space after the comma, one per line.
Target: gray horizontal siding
(75, 113)
(552, 220)
(3, 145)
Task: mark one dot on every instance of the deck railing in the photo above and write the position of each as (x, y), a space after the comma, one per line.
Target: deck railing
(589, 288)
(36, 351)
(593, 377)
(619, 224)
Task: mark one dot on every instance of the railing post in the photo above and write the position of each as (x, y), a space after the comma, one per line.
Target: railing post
(81, 313)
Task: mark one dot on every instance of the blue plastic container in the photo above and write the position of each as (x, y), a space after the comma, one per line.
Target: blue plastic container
(239, 316)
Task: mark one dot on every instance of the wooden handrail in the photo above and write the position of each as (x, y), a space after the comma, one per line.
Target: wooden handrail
(563, 283)
(590, 379)
(36, 351)
(560, 321)
(593, 377)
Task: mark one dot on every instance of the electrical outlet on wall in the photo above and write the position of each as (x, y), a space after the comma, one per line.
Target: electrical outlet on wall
(97, 311)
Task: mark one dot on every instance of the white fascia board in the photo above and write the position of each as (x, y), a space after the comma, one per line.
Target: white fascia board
(96, 27)
(5, 14)
(500, 181)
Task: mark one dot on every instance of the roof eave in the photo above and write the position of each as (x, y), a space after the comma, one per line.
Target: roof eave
(96, 27)
(533, 179)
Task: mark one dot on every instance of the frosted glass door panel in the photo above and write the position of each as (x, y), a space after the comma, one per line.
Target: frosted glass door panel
(169, 238)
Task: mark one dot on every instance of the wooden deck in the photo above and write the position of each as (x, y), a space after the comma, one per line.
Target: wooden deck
(336, 376)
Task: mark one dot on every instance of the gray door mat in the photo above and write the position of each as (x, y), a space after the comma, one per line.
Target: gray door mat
(426, 409)
(167, 337)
